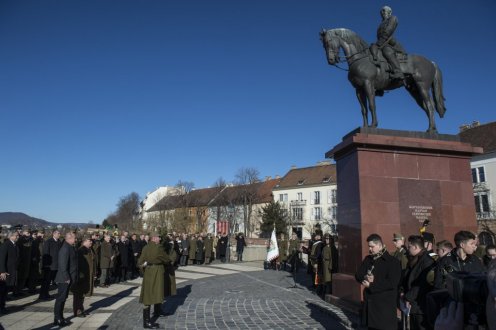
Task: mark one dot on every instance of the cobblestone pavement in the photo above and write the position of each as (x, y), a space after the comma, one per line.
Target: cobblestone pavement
(249, 298)
(217, 296)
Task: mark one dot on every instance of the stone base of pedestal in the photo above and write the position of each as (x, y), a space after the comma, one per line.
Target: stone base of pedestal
(390, 182)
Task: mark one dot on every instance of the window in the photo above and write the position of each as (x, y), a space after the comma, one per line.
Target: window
(300, 182)
(334, 212)
(283, 198)
(316, 197)
(332, 196)
(482, 203)
(298, 213)
(300, 196)
(326, 179)
(478, 175)
(317, 213)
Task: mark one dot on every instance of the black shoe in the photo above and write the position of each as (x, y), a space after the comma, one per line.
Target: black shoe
(61, 323)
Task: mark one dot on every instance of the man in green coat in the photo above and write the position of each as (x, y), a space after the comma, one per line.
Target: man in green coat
(192, 249)
(209, 247)
(153, 259)
(86, 272)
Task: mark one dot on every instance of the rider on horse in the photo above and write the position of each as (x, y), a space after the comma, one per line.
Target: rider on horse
(387, 43)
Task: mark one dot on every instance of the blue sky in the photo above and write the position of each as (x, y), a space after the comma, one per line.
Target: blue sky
(101, 98)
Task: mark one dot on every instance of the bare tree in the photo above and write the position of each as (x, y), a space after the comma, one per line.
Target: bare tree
(127, 208)
(247, 177)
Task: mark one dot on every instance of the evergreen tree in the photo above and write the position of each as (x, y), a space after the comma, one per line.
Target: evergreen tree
(273, 213)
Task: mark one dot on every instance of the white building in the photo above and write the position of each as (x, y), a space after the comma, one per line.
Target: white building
(146, 212)
(483, 171)
(309, 195)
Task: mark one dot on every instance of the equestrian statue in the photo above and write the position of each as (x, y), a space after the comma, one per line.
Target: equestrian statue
(385, 66)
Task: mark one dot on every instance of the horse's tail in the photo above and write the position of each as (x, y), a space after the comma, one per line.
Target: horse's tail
(437, 91)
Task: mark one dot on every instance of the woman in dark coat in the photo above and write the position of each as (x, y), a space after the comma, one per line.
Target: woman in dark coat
(86, 268)
(380, 274)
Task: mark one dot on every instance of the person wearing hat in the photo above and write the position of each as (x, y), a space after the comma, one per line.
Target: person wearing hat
(153, 258)
(400, 252)
(86, 270)
(327, 265)
(429, 244)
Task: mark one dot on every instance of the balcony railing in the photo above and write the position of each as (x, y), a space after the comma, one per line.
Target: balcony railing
(491, 215)
(302, 202)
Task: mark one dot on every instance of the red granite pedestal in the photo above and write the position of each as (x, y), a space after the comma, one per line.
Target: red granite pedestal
(390, 182)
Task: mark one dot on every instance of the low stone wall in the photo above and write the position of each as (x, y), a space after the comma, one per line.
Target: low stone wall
(251, 253)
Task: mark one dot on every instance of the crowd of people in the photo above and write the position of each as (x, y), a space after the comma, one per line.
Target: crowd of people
(418, 277)
(35, 262)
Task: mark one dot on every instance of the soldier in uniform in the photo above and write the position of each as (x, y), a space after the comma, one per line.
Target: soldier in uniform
(282, 244)
(400, 252)
(294, 250)
(106, 257)
(387, 43)
(327, 264)
(316, 261)
(153, 258)
(170, 273)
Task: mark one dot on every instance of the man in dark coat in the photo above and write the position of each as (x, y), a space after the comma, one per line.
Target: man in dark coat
(135, 253)
(107, 255)
(184, 250)
(380, 274)
(200, 249)
(415, 283)
(125, 254)
(67, 275)
(24, 244)
(34, 268)
(50, 262)
(9, 260)
(240, 246)
(223, 247)
(86, 271)
(460, 259)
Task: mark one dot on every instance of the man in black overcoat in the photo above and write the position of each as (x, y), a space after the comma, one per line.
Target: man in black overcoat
(50, 263)
(9, 260)
(67, 275)
(380, 274)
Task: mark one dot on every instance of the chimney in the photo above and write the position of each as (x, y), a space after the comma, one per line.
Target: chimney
(278, 176)
(293, 167)
(267, 178)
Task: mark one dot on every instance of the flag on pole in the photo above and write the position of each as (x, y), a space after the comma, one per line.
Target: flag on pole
(273, 249)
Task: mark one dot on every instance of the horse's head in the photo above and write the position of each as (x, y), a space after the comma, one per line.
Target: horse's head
(331, 44)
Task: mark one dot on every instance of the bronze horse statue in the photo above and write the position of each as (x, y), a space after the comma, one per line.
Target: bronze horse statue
(371, 78)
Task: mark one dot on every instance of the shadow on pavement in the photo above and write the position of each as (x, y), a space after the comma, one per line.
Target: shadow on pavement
(322, 317)
(172, 303)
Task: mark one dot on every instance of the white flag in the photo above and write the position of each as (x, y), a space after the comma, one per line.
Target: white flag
(273, 249)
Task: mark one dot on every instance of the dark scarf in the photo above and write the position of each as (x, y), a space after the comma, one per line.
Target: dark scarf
(412, 261)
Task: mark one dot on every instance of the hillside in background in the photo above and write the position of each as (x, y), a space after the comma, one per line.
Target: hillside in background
(18, 218)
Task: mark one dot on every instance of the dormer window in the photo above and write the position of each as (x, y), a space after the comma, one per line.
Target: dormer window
(300, 182)
(326, 179)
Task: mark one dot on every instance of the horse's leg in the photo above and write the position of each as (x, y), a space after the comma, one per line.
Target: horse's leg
(370, 93)
(426, 102)
(362, 99)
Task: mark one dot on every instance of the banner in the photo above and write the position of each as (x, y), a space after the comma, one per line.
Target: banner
(273, 249)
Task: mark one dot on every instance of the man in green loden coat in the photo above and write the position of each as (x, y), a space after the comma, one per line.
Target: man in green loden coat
(170, 272)
(327, 265)
(153, 259)
(192, 249)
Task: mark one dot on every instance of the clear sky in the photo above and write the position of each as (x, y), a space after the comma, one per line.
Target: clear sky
(101, 98)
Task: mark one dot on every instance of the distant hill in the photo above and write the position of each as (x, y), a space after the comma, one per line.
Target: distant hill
(18, 218)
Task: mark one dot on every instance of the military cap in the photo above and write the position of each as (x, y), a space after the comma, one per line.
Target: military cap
(428, 237)
(397, 237)
(154, 234)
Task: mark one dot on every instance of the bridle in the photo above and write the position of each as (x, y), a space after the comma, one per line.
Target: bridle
(341, 59)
